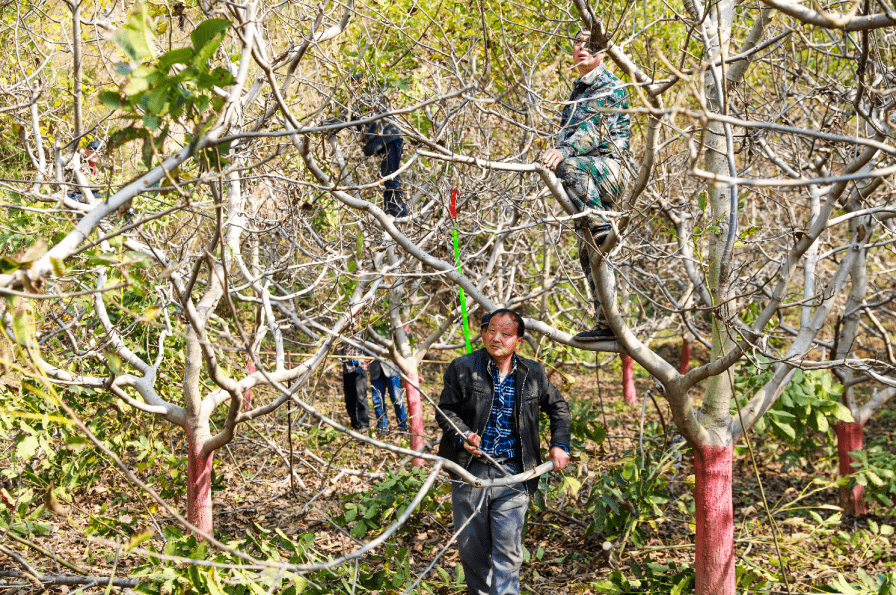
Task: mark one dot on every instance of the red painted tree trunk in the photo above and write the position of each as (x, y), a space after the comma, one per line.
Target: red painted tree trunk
(415, 415)
(715, 520)
(199, 487)
(628, 379)
(247, 396)
(850, 439)
(685, 362)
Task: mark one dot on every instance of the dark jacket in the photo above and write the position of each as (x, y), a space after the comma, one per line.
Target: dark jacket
(374, 135)
(467, 401)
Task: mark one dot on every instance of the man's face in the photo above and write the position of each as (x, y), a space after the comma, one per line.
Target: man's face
(581, 57)
(500, 338)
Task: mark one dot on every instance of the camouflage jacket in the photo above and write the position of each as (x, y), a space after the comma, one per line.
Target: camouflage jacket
(585, 129)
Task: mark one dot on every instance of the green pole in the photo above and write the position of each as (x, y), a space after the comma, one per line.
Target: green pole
(460, 290)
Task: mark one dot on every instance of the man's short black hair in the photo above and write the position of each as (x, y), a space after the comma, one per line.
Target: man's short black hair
(485, 318)
(520, 325)
(590, 45)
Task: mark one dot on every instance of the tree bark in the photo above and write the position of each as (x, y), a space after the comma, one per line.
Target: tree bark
(628, 379)
(850, 439)
(685, 363)
(199, 485)
(715, 520)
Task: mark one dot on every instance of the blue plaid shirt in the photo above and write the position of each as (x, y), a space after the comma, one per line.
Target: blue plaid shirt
(499, 439)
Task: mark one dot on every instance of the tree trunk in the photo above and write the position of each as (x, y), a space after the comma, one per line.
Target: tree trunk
(849, 439)
(715, 520)
(415, 412)
(199, 485)
(628, 379)
(685, 361)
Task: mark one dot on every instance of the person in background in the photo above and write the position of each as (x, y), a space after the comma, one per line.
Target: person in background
(354, 385)
(489, 406)
(92, 157)
(384, 379)
(87, 173)
(380, 137)
(591, 157)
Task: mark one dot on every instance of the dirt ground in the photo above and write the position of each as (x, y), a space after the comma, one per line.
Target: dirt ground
(256, 493)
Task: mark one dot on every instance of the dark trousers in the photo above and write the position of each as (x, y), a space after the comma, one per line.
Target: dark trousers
(491, 545)
(354, 383)
(393, 199)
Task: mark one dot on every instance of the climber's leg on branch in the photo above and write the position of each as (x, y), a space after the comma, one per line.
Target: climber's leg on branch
(587, 260)
(593, 183)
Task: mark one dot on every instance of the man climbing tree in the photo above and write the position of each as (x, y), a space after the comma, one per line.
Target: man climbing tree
(380, 137)
(591, 158)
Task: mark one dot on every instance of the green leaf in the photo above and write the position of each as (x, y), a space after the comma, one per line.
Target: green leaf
(701, 201)
(138, 538)
(138, 36)
(58, 267)
(359, 531)
(842, 413)
(151, 122)
(179, 56)
(780, 413)
(110, 99)
(126, 135)
(571, 485)
(219, 77)
(785, 428)
(26, 449)
(114, 362)
(676, 590)
(123, 69)
(147, 152)
(206, 38)
(76, 443)
(842, 586)
(157, 99)
(23, 327)
(821, 422)
(749, 231)
(135, 86)
(874, 477)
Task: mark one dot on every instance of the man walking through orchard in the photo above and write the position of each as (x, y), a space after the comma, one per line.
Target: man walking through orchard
(490, 405)
(591, 158)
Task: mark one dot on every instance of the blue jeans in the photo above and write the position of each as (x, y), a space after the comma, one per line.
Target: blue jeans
(379, 386)
(491, 545)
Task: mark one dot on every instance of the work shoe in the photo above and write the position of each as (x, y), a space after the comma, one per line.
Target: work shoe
(395, 205)
(598, 333)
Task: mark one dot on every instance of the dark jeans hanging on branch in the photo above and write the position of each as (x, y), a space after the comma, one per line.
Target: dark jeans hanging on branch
(393, 196)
